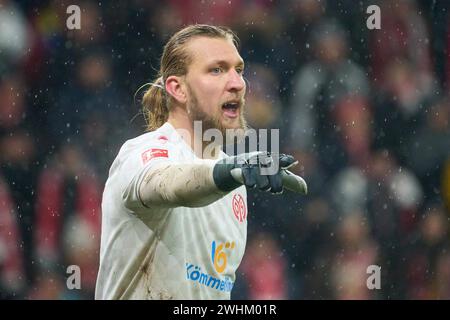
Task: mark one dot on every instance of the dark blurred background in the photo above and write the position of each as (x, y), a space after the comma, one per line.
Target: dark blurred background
(366, 113)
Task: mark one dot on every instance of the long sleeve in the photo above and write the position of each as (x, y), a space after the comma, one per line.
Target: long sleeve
(172, 185)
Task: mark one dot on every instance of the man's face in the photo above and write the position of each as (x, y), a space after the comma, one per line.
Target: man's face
(215, 84)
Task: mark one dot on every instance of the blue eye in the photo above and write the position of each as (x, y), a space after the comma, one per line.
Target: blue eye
(240, 70)
(216, 70)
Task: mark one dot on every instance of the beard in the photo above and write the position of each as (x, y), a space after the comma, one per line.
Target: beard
(214, 121)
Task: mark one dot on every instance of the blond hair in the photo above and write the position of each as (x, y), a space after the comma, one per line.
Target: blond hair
(175, 61)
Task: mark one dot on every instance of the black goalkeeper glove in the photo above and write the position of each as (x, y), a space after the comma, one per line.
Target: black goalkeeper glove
(258, 169)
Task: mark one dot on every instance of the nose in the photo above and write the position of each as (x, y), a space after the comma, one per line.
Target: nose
(235, 81)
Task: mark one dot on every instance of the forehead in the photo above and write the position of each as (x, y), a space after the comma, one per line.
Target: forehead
(204, 50)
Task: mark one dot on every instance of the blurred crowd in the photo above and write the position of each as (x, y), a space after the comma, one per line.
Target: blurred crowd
(366, 113)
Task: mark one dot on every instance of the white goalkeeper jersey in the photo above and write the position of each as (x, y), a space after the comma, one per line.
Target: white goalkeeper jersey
(166, 253)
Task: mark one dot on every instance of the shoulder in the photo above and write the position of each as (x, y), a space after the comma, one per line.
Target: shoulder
(142, 152)
(161, 143)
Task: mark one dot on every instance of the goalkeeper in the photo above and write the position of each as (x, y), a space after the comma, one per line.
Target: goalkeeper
(174, 220)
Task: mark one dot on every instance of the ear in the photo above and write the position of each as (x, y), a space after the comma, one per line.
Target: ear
(175, 87)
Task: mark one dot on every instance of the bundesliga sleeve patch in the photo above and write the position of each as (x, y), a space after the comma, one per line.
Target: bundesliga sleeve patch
(154, 153)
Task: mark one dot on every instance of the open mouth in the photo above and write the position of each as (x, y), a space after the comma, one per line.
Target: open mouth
(231, 109)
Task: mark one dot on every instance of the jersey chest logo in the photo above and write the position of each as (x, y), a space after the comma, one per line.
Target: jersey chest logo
(239, 208)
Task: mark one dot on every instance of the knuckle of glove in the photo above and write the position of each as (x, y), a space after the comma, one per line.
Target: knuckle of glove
(286, 160)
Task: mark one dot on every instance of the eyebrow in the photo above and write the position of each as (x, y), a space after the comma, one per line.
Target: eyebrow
(224, 62)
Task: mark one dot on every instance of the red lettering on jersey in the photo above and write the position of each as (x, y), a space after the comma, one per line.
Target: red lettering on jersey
(239, 209)
(154, 153)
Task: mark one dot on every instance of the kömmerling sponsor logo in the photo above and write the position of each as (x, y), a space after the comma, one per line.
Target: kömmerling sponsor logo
(194, 273)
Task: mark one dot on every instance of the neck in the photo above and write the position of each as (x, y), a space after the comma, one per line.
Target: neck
(180, 120)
